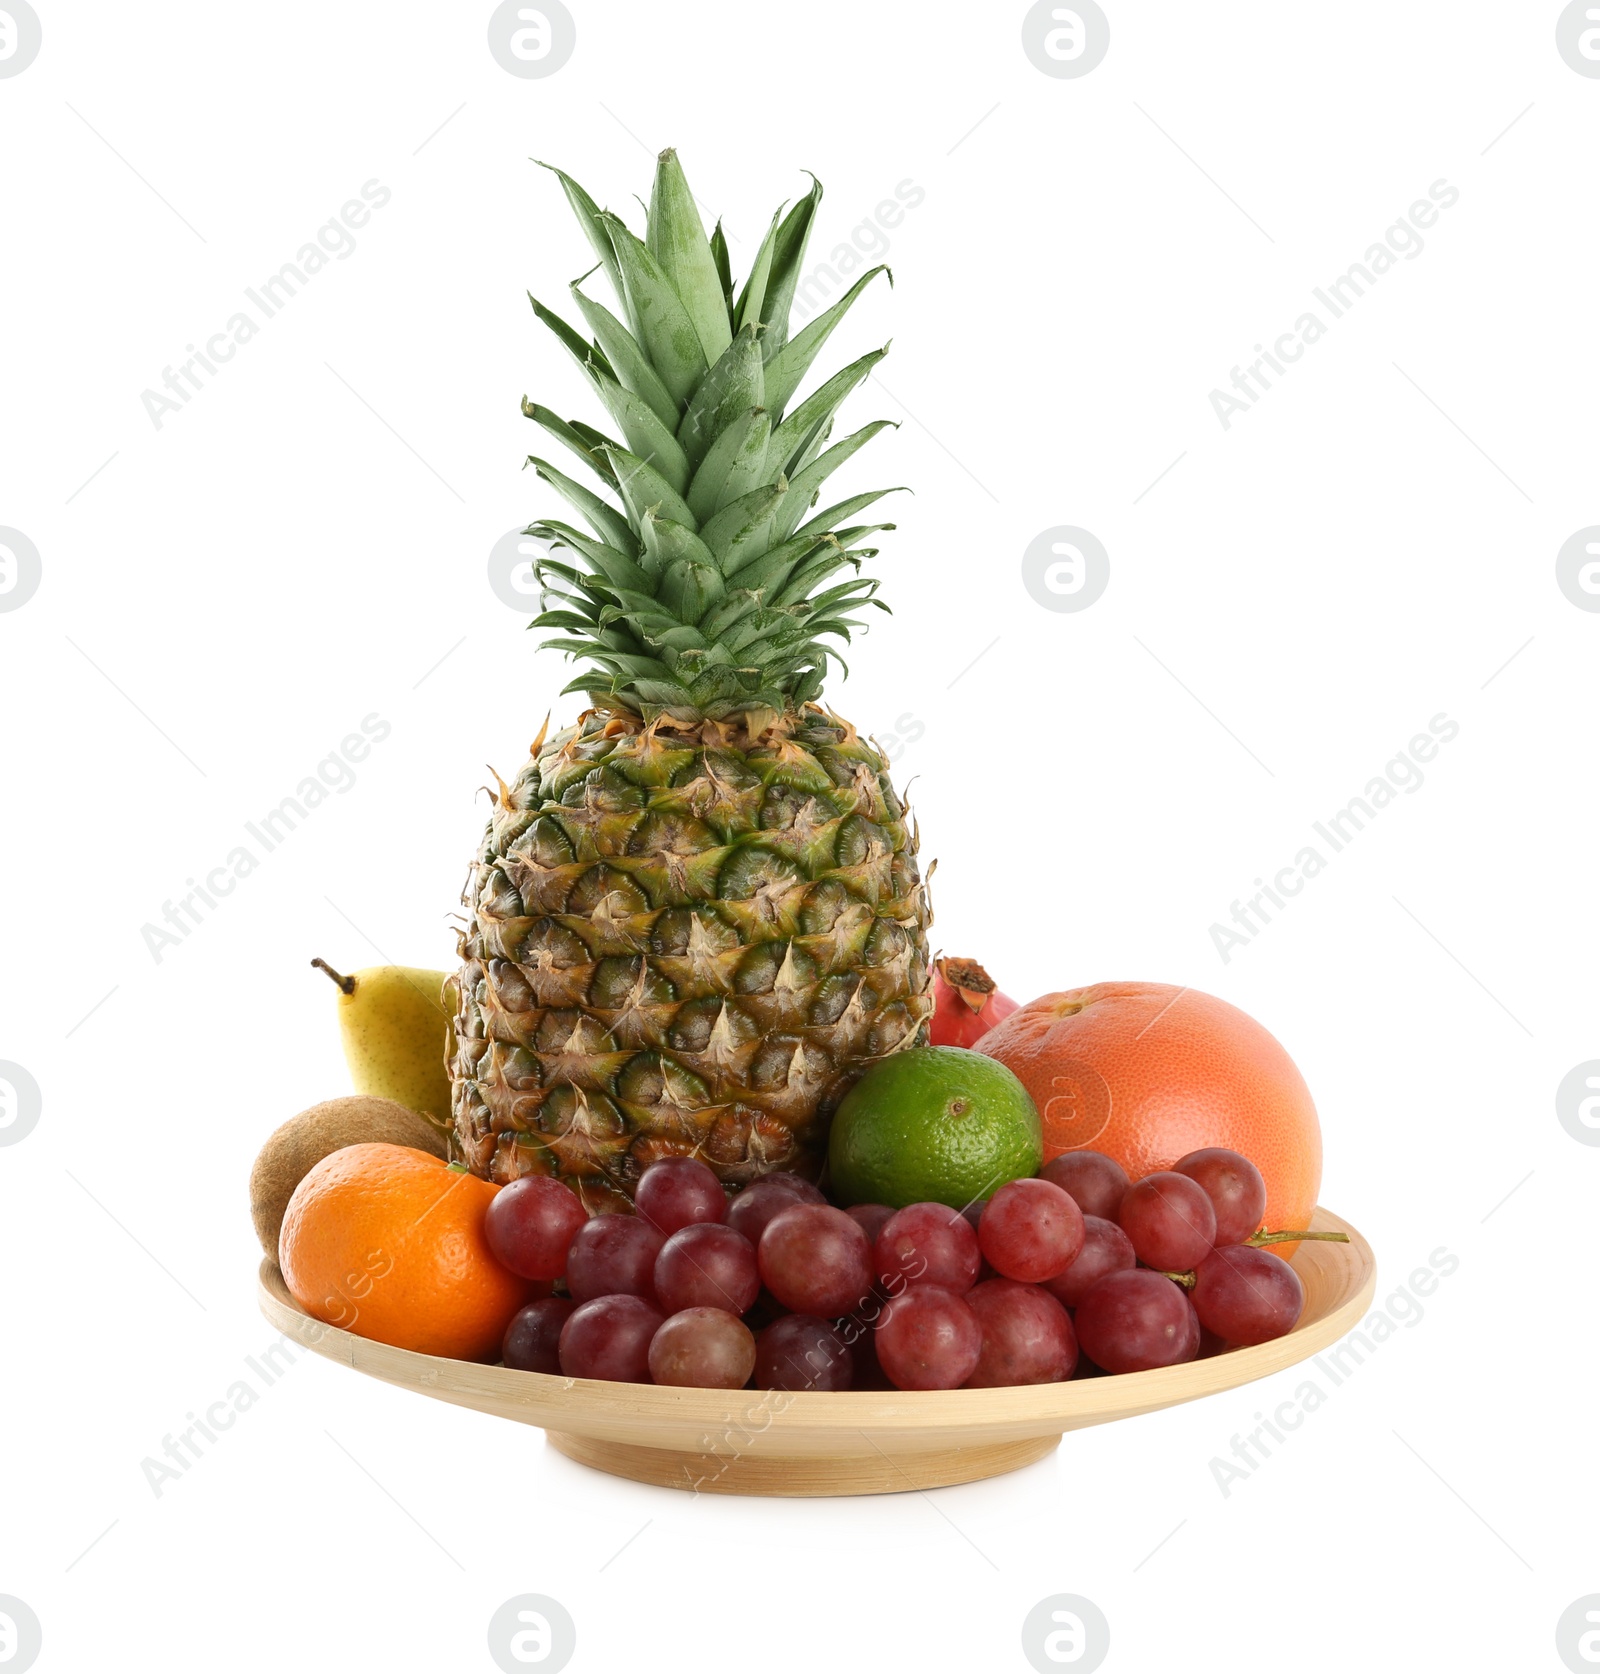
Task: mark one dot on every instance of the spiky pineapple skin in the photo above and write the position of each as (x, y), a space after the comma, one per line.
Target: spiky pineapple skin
(684, 939)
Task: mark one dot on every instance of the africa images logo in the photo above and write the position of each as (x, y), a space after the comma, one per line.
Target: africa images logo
(20, 39)
(20, 569)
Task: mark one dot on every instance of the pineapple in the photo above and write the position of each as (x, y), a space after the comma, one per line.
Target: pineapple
(696, 914)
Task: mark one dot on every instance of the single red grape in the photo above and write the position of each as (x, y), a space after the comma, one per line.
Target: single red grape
(1094, 1182)
(613, 1255)
(870, 1217)
(808, 1191)
(1027, 1337)
(928, 1338)
(801, 1351)
(816, 1260)
(752, 1208)
(707, 1266)
(610, 1338)
(678, 1192)
(530, 1225)
(1233, 1183)
(1169, 1221)
(703, 1348)
(1030, 1230)
(1247, 1296)
(533, 1337)
(1105, 1250)
(1135, 1320)
(927, 1244)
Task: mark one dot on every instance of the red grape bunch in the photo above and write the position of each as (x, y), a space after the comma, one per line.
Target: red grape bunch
(1077, 1272)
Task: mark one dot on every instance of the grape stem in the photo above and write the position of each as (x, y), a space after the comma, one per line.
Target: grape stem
(1257, 1239)
(1184, 1280)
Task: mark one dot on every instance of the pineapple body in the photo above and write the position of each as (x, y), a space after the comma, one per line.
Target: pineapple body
(684, 940)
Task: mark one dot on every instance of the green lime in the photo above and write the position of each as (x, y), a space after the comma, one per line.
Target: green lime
(935, 1124)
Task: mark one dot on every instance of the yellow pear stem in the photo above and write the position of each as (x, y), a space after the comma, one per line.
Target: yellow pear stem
(346, 984)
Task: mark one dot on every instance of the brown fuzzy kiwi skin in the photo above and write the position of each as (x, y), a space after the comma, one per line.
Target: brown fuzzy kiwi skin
(304, 1140)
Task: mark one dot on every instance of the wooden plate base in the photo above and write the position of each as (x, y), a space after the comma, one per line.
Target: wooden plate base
(864, 1473)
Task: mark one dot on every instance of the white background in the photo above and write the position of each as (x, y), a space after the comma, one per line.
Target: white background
(228, 595)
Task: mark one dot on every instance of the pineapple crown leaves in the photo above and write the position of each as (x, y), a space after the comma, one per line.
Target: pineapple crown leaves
(705, 588)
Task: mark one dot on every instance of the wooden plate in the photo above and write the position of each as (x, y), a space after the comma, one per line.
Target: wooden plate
(857, 1442)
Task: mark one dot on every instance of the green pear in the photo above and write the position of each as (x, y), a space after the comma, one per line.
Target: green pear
(397, 1035)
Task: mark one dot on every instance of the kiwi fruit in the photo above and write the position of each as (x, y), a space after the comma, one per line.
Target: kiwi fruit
(304, 1140)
